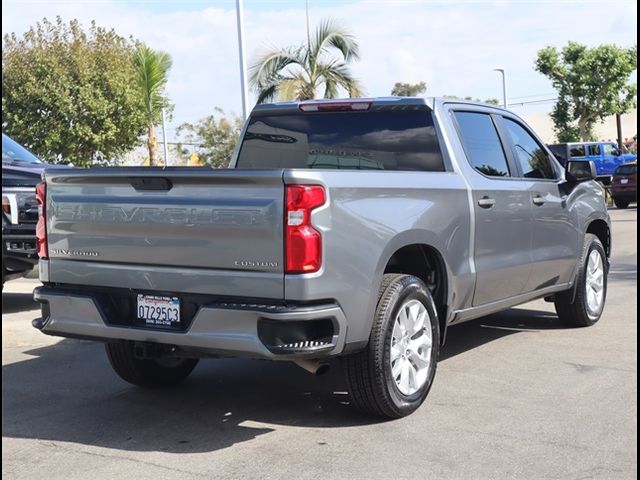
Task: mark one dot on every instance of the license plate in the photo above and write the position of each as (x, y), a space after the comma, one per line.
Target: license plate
(159, 311)
(624, 181)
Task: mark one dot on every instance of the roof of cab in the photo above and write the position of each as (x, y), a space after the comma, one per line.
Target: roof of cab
(430, 102)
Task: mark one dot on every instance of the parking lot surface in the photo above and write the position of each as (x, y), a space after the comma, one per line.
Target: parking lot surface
(517, 395)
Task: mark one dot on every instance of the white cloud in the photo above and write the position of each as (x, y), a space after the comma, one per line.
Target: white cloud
(452, 46)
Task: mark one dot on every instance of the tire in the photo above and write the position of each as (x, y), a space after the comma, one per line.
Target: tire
(621, 203)
(577, 311)
(147, 372)
(372, 385)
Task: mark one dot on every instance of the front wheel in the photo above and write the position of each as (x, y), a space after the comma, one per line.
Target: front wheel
(392, 376)
(585, 308)
(147, 372)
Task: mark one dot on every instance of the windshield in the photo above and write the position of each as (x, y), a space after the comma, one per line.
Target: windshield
(13, 152)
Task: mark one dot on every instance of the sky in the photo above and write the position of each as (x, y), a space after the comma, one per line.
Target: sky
(453, 46)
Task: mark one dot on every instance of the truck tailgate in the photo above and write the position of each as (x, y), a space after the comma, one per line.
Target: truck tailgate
(179, 222)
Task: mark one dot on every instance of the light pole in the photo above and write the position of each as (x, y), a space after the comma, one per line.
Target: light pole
(243, 64)
(504, 86)
(164, 136)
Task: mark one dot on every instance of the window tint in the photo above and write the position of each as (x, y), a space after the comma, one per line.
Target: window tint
(532, 158)
(627, 170)
(559, 151)
(578, 151)
(378, 140)
(482, 143)
(594, 150)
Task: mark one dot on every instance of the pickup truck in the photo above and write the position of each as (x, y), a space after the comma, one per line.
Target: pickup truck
(359, 229)
(21, 171)
(605, 155)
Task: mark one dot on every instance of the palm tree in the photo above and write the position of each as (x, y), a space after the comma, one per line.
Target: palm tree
(296, 73)
(153, 71)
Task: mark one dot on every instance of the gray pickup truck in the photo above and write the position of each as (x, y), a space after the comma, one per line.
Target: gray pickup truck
(358, 229)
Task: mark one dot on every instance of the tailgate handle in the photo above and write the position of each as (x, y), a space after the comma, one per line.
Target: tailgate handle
(155, 184)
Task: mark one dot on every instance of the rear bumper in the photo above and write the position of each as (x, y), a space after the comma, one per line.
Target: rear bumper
(628, 193)
(18, 254)
(225, 329)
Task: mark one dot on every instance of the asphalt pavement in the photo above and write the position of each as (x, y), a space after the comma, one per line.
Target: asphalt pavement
(517, 395)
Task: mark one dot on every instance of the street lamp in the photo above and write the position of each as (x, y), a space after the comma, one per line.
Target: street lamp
(504, 85)
(243, 64)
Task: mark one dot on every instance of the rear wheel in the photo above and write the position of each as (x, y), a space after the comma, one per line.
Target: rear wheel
(147, 372)
(585, 308)
(621, 203)
(392, 376)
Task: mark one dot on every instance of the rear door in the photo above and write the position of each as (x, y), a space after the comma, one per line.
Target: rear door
(555, 236)
(502, 211)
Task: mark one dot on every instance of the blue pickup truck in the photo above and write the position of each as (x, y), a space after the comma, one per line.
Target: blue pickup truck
(606, 155)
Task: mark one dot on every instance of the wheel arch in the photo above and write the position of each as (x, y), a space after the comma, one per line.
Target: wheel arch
(600, 228)
(421, 255)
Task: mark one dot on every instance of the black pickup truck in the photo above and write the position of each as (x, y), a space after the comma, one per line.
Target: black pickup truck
(20, 174)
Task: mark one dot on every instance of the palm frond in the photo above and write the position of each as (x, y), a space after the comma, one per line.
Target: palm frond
(296, 72)
(293, 88)
(336, 74)
(153, 72)
(267, 93)
(270, 64)
(330, 34)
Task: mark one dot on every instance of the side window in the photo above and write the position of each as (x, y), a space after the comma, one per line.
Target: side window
(532, 158)
(482, 143)
(594, 150)
(578, 151)
(610, 150)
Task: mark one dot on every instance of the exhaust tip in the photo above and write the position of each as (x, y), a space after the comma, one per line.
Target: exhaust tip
(314, 367)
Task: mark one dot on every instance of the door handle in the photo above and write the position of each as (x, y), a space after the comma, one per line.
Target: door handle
(486, 202)
(538, 200)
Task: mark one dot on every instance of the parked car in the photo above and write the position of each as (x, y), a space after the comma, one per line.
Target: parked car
(624, 186)
(21, 172)
(358, 229)
(606, 156)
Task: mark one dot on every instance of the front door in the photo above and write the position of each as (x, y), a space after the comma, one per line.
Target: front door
(555, 236)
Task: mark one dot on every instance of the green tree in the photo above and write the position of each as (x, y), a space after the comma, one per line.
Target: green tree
(490, 101)
(297, 73)
(152, 69)
(70, 95)
(592, 83)
(408, 89)
(216, 135)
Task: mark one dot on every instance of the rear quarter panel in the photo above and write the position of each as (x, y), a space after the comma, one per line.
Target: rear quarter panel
(369, 216)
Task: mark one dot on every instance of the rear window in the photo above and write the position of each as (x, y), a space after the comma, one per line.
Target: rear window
(482, 144)
(627, 170)
(378, 140)
(578, 151)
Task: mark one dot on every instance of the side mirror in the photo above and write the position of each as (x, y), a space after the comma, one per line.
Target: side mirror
(617, 152)
(577, 172)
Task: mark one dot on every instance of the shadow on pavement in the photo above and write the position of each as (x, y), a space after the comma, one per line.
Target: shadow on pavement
(18, 302)
(467, 336)
(67, 392)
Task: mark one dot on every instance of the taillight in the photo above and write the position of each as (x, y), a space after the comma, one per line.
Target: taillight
(41, 227)
(303, 243)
